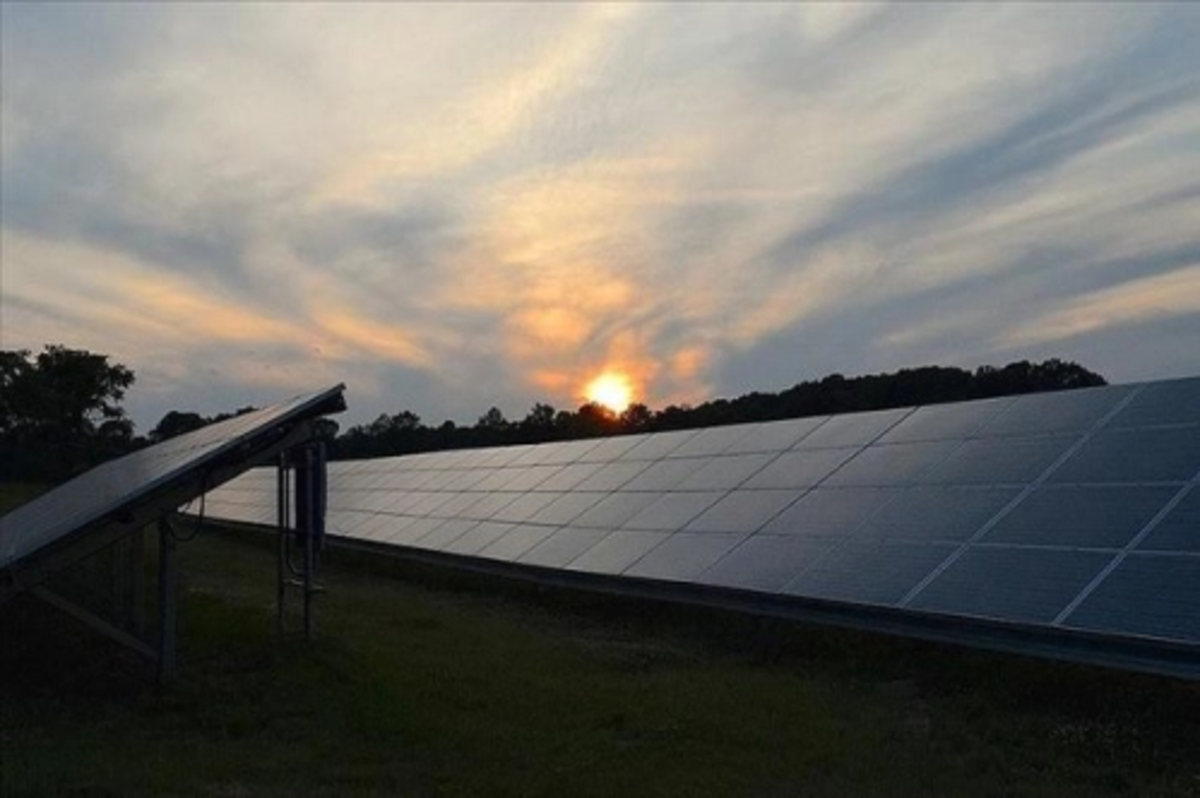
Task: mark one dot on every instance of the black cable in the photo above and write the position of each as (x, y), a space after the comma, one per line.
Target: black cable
(199, 525)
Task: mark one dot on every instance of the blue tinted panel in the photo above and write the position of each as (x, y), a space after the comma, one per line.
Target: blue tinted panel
(661, 444)
(118, 483)
(712, 441)
(946, 422)
(1062, 411)
(569, 477)
(928, 514)
(614, 510)
(830, 511)
(742, 511)
(852, 429)
(1135, 455)
(897, 464)
(1147, 594)
(999, 461)
(563, 546)
(1169, 402)
(618, 551)
(1179, 530)
(800, 468)
(684, 555)
(1030, 585)
(767, 562)
(672, 511)
(610, 449)
(1086, 517)
(870, 572)
(612, 476)
(775, 436)
(566, 508)
(665, 474)
(725, 473)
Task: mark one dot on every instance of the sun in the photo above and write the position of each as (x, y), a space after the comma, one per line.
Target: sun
(611, 390)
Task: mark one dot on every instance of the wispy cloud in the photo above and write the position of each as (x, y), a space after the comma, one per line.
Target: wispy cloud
(453, 206)
(1156, 298)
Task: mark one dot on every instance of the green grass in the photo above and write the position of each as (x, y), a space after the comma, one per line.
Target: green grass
(428, 683)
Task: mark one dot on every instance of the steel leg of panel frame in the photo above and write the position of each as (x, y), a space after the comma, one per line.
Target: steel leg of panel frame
(95, 622)
(137, 583)
(281, 515)
(167, 602)
(310, 535)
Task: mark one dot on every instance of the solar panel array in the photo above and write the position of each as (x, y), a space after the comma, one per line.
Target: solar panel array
(1075, 510)
(104, 491)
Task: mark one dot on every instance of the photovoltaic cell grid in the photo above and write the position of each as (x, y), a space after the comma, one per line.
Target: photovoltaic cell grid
(1075, 510)
(110, 487)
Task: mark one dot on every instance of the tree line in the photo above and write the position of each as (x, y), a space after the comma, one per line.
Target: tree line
(404, 432)
(61, 413)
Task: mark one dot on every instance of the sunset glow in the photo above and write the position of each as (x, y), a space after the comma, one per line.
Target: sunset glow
(662, 203)
(613, 391)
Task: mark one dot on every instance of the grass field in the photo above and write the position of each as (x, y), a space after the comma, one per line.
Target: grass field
(429, 683)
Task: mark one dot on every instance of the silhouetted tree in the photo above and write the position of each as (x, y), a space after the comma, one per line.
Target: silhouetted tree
(493, 419)
(591, 420)
(176, 423)
(60, 412)
(538, 425)
(326, 429)
(636, 418)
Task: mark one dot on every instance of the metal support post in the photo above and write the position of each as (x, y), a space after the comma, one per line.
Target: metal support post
(314, 529)
(167, 601)
(301, 516)
(137, 583)
(309, 514)
(283, 524)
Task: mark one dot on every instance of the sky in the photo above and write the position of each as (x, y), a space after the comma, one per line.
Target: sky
(450, 207)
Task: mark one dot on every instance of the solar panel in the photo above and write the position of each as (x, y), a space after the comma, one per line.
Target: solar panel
(115, 493)
(1065, 524)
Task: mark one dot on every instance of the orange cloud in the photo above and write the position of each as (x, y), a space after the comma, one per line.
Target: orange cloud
(355, 337)
(1176, 293)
